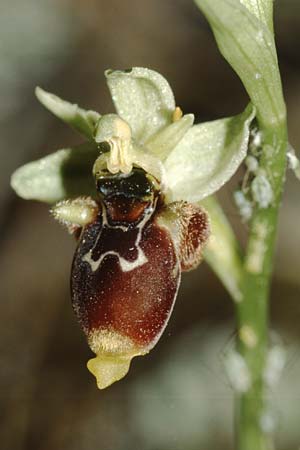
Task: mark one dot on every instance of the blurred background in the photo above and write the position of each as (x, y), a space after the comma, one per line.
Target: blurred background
(177, 397)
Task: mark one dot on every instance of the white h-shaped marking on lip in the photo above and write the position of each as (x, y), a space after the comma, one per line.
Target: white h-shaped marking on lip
(126, 266)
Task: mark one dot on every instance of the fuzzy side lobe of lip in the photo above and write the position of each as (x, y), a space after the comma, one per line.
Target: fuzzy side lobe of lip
(123, 312)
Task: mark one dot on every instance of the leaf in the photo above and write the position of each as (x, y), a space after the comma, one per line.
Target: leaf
(207, 157)
(78, 118)
(64, 174)
(143, 98)
(248, 45)
(263, 9)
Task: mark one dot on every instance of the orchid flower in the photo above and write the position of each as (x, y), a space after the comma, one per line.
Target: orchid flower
(131, 195)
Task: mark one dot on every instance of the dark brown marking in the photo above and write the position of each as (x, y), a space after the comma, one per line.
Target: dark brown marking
(123, 210)
(135, 303)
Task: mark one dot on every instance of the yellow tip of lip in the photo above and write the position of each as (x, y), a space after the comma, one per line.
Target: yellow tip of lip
(108, 369)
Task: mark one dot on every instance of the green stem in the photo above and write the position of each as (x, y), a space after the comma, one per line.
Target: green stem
(244, 33)
(252, 311)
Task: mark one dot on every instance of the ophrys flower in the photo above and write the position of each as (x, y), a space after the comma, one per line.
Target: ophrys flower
(129, 195)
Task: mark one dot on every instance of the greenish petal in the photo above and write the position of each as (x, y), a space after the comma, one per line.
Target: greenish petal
(78, 118)
(64, 174)
(163, 142)
(247, 43)
(143, 98)
(207, 157)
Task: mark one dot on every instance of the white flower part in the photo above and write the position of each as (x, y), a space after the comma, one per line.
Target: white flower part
(78, 118)
(116, 132)
(143, 98)
(124, 153)
(149, 131)
(207, 157)
(51, 179)
(135, 156)
(163, 142)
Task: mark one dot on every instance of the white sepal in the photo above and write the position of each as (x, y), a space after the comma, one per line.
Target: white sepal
(64, 174)
(143, 98)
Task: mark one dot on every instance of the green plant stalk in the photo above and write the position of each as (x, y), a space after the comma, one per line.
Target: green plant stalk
(245, 36)
(252, 311)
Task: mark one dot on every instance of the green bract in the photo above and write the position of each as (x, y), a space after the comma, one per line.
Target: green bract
(244, 34)
(193, 161)
(262, 9)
